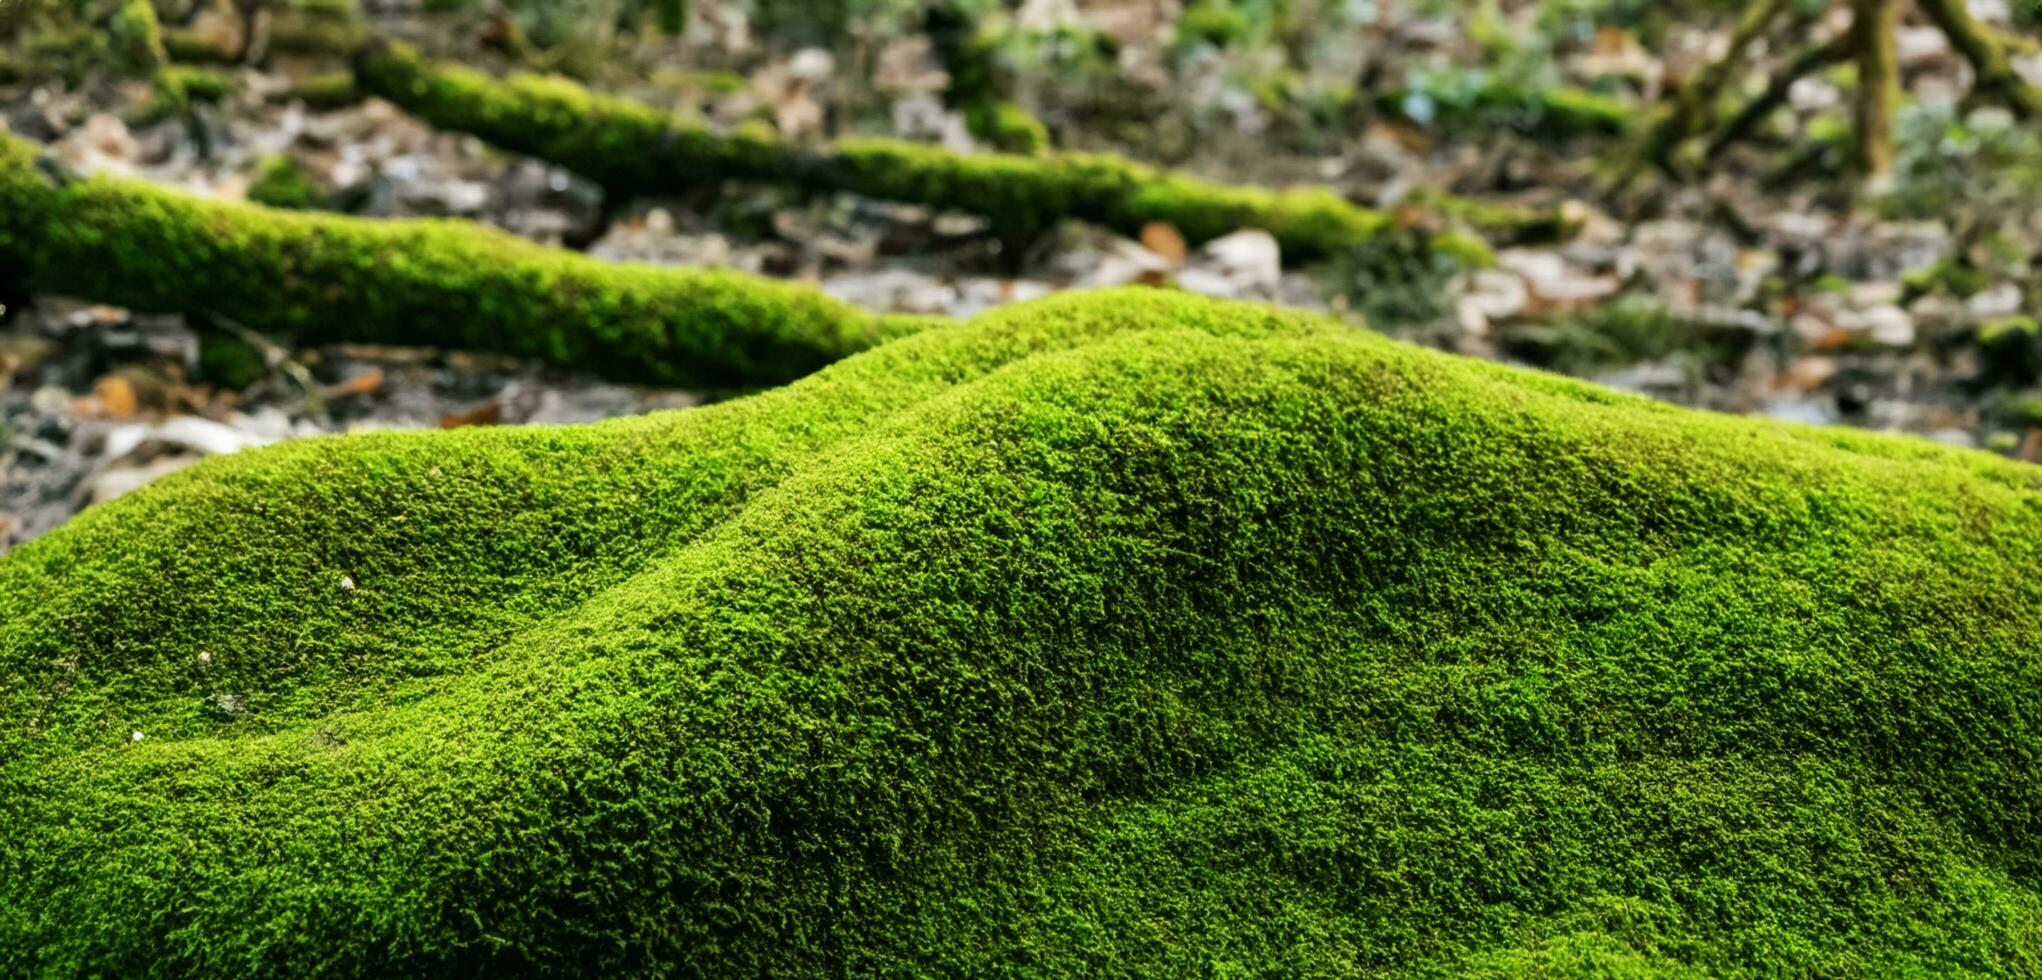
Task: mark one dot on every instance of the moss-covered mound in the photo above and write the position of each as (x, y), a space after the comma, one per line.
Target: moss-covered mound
(443, 283)
(1115, 634)
(635, 149)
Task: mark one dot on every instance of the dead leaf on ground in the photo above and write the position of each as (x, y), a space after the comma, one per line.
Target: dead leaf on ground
(363, 383)
(112, 397)
(487, 413)
(1164, 240)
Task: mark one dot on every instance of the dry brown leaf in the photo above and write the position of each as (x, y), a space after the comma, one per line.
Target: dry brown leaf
(363, 383)
(115, 397)
(1164, 240)
(1611, 39)
(487, 413)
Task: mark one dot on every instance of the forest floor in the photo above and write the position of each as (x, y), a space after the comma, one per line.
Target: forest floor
(1765, 288)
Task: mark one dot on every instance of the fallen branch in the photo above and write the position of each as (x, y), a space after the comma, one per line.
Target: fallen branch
(631, 148)
(1980, 46)
(443, 283)
(1835, 51)
(1688, 111)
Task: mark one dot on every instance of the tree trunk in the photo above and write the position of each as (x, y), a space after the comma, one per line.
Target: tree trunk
(1878, 58)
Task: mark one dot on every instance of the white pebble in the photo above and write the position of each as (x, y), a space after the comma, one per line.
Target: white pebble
(347, 584)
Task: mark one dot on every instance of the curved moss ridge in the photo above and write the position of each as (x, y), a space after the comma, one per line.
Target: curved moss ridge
(325, 278)
(1123, 633)
(633, 148)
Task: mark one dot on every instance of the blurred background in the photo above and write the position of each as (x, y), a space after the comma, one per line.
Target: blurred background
(1817, 212)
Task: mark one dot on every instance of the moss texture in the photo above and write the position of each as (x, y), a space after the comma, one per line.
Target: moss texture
(282, 182)
(175, 89)
(201, 47)
(631, 148)
(137, 37)
(325, 278)
(1115, 634)
(325, 90)
(1550, 112)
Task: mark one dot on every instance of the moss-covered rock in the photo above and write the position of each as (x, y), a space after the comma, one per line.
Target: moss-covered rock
(137, 37)
(323, 278)
(282, 182)
(175, 89)
(1115, 634)
(632, 148)
(1214, 24)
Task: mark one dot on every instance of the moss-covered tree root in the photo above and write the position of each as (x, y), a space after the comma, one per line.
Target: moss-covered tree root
(324, 278)
(1123, 634)
(632, 148)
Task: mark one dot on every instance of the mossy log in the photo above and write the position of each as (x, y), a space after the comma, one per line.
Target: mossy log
(205, 47)
(1121, 634)
(335, 31)
(1550, 112)
(631, 148)
(445, 283)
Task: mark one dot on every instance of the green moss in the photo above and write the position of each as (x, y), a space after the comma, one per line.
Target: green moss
(326, 278)
(280, 182)
(230, 361)
(631, 148)
(1510, 223)
(2009, 330)
(1008, 128)
(2025, 411)
(202, 47)
(1953, 277)
(137, 37)
(1216, 24)
(693, 81)
(1627, 331)
(1479, 100)
(176, 88)
(326, 90)
(319, 33)
(1126, 634)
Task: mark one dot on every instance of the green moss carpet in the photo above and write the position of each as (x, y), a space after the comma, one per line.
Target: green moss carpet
(320, 278)
(1120, 634)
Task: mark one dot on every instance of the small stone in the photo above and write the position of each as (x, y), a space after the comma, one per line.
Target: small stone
(1889, 325)
(347, 583)
(811, 65)
(122, 480)
(205, 659)
(1999, 301)
(136, 737)
(50, 400)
